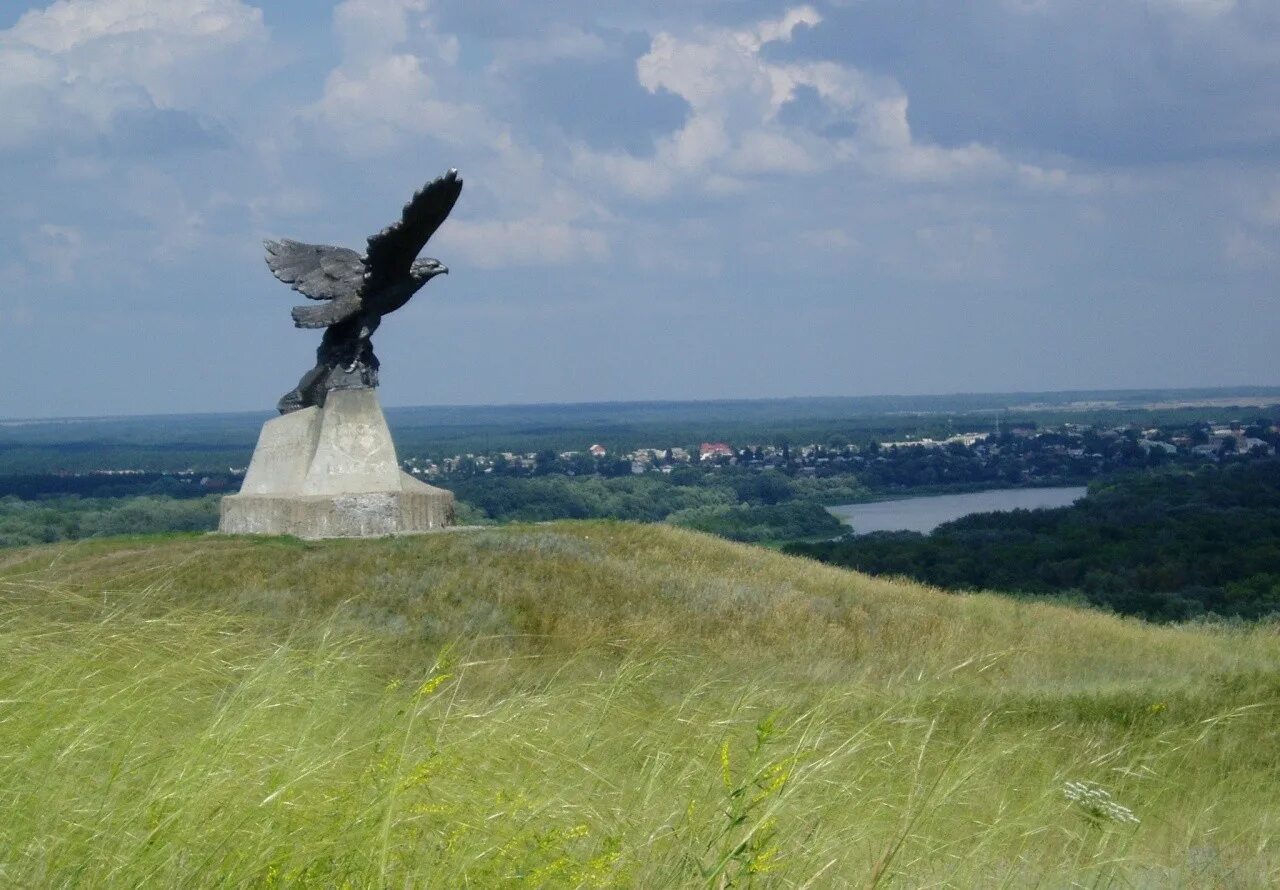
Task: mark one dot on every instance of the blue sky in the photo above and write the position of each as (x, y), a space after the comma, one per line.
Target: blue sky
(695, 200)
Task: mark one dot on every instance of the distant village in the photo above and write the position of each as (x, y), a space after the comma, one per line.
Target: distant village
(1087, 448)
(1012, 455)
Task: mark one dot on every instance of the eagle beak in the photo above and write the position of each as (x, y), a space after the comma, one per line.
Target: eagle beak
(443, 270)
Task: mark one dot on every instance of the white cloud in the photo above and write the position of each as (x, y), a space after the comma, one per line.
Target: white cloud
(638, 177)
(735, 126)
(831, 240)
(959, 251)
(560, 41)
(397, 88)
(77, 63)
(770, 31)
(385, 93)
(763, 151)
(525, 242)
(1249, 250)
(1201, 7)
(378, 106)
(97, 90)
(368, 28)
(70, 24)
(57, 251)
(884, 144)
(285, 203)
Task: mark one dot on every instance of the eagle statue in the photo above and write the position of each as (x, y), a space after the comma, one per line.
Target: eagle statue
(353, 292)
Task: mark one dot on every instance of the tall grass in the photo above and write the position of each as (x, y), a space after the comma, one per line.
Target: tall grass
(606, 705)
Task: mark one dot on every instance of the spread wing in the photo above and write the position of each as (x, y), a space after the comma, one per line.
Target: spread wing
(316, 270)
(325, 314)
(392, 251)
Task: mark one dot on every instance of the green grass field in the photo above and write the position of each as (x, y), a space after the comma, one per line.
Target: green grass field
(599, 705)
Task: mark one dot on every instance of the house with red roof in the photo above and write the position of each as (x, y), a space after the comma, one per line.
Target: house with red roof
(712, 450)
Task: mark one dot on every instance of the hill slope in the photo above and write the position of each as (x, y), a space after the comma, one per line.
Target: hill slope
(599, 704)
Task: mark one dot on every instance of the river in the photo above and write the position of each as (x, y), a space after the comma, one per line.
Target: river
(924, 514)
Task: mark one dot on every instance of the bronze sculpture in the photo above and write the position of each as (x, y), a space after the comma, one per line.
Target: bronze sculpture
(357, 291)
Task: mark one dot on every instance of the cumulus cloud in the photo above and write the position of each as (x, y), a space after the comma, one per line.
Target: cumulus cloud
(369, 28)
(386, 92)
(138, 35)
(525, 242)
(560, 42)
(380, 105)
(737, 124)
(1097, 82)
(73, 68)
(397, 86)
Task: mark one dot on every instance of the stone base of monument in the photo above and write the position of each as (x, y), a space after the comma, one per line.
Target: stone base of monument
(332, 472)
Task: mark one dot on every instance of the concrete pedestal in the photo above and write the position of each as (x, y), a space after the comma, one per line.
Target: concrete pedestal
(332, 472)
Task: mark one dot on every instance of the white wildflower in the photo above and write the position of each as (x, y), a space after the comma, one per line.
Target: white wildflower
(1097, 804)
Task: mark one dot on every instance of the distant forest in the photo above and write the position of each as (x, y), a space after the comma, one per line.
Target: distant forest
(1164, 545)
(48, 520)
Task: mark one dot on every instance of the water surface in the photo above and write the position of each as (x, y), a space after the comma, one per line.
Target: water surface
(927, 513)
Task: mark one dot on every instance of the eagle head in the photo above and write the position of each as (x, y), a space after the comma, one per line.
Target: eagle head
(425, 269)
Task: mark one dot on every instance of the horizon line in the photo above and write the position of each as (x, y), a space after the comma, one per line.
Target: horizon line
(1240, 389)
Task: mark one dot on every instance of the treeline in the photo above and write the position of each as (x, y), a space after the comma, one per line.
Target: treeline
(776, 522)
(58, 457)
(542, 498)
(745, 506)
(31, 486)
(1165, 546)
(67, 518)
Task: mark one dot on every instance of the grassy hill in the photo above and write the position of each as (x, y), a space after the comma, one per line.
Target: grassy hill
(601, 704)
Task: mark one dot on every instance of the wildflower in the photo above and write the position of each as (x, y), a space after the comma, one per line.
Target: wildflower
(431, 685)
(1097, 804)
(763, 862)
(725, 772)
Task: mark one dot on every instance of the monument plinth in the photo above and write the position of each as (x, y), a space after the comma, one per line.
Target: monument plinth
(327, 468)
(331, 472)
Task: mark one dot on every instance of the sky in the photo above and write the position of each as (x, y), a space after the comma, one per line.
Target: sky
(704, 199)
